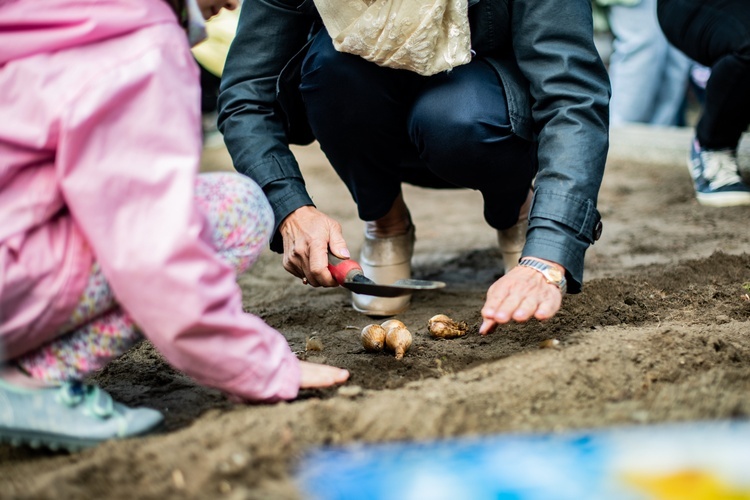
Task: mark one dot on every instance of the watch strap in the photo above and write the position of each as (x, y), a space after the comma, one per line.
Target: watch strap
(547, 271)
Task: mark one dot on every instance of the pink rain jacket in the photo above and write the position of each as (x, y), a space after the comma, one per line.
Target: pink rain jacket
(99, 149)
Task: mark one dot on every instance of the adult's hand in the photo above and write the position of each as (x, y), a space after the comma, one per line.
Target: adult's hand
(308, 234)
(316, 376)
(520, 295)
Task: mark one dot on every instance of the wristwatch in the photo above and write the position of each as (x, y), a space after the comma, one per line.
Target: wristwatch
(552, 274)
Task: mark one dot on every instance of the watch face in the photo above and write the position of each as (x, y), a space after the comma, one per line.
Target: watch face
(554, 274)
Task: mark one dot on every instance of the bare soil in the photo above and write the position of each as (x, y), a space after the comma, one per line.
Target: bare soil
(659, 334)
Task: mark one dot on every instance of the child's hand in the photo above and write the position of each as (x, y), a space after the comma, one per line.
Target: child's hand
(315, 376)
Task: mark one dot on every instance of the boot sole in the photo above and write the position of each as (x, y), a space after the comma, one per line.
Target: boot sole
(379, 314)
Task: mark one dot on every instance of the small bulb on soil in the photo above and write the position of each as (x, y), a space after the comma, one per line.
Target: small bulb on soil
(549, 344)
(314, 344)
(373, 338)
(398, 340)
(442, 327)
(391, 324)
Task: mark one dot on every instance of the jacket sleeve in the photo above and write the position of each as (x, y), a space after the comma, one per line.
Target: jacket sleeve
(269, 34)
(129, 146)
(570, 89)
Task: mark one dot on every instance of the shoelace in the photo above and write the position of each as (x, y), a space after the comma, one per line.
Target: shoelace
(97, 402)
(720, 168)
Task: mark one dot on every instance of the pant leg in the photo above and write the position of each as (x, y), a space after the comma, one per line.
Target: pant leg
(460, 125)
(239, 216)
(669, 102)
(96, 332)
(715, 33)
(84, 350)
(240, 221)
(209, 90)
(649, 80)
(380, 127)
(357, 111)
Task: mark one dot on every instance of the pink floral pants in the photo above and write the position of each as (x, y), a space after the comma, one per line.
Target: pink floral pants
(98, 330)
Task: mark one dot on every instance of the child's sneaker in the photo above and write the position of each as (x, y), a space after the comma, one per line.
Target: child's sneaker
(716, 178)
(71, 416)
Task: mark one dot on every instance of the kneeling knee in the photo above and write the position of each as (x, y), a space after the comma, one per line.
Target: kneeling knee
(239, 214)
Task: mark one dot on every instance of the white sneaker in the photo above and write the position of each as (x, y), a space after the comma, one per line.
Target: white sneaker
(716, 178)
(71, 416)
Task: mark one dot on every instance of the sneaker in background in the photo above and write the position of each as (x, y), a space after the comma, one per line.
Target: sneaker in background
(744, 171)
(70, 416)
(716, 178)
(212, 136)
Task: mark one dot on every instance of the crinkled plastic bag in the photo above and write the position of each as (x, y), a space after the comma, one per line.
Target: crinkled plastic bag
(424, 36)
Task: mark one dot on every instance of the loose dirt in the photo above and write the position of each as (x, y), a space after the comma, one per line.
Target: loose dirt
(661, 333)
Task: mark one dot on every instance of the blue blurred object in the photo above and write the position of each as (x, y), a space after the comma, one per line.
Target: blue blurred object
(686, 461)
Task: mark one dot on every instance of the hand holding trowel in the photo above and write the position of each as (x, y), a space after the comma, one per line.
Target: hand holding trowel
(348, 273)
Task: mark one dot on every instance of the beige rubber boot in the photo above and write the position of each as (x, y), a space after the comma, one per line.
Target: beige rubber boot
(385, 260)
(511, 243)
(513, 239)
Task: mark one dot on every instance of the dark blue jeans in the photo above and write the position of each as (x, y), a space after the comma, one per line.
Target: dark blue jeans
(380, 127)
(716, 33)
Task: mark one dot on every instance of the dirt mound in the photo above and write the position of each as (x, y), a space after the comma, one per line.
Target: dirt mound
(659, 334)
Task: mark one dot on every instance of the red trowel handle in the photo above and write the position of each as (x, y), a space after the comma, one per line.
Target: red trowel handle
(343, 270)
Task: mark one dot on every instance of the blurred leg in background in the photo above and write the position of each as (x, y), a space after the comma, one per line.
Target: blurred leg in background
(649, 76)
(716, 34)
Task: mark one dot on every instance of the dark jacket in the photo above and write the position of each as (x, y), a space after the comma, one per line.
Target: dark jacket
(543, 51)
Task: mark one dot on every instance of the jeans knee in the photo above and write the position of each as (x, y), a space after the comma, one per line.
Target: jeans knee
(448, 136)
(438, 128)
(239, 215)
(327, 71)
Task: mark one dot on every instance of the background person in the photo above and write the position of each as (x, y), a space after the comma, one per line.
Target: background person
(649, 76)
(716, 33)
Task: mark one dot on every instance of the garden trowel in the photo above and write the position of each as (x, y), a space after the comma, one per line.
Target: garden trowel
(348, 273)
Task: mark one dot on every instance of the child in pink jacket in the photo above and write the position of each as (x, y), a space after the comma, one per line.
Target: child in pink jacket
(107, 231)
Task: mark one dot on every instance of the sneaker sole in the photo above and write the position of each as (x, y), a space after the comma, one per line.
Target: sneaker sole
(54, 442)
(379, 314)
(723, 199)
(41, 440)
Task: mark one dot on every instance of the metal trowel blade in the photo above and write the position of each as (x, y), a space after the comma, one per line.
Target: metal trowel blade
(365, 286)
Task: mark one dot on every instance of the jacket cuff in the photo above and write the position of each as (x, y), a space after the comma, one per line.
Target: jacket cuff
(561, 228)
(284, 385)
